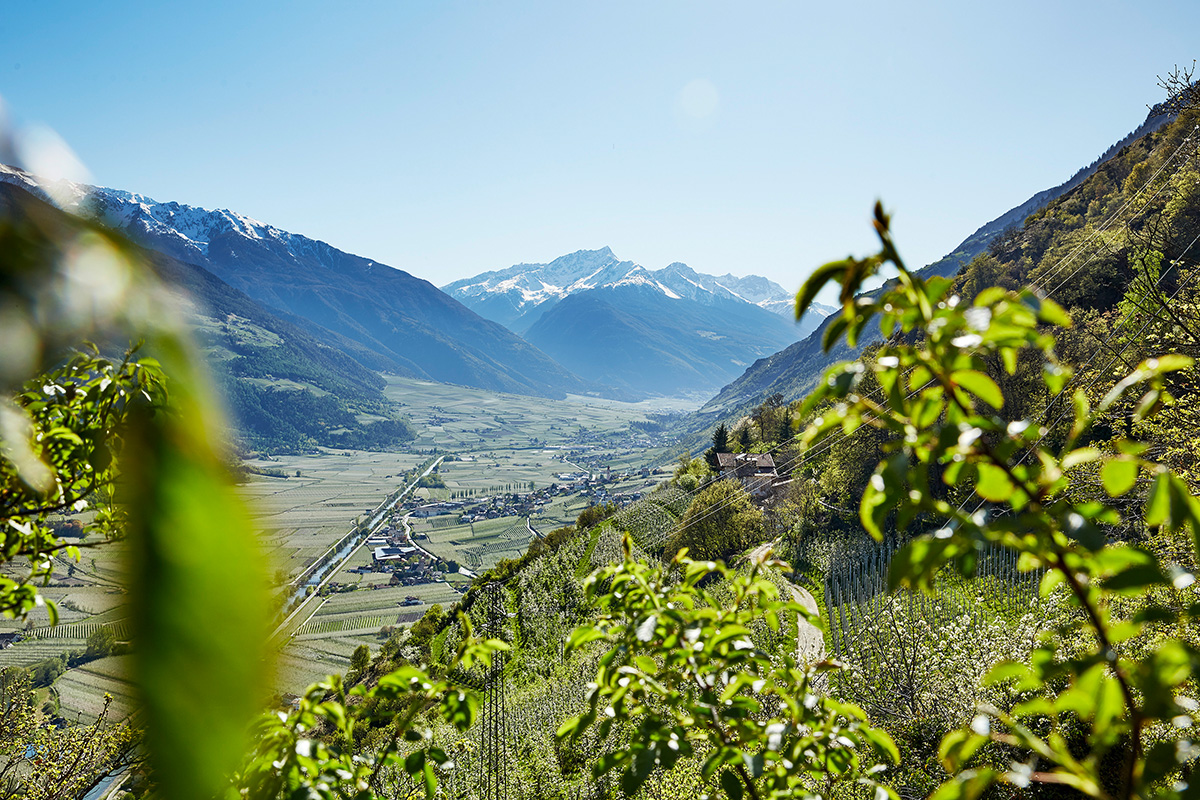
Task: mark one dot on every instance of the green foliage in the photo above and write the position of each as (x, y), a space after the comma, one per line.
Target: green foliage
(720, 444)
(691, 472)
(432, 481)
(720, 522)
(594, 515)
(683, 679)
(294, 420)
(361, 658)
(1082, 685)
(74, 424)
(313, 751)
(63, 433)
(101, 642)
(40, 761)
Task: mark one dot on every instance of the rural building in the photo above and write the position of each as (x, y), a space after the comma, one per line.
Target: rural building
(755, 471)
(392, 553)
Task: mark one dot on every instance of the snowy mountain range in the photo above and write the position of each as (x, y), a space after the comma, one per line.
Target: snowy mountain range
(586, 322)
(385, 318)
(643, 331)
(516, 297)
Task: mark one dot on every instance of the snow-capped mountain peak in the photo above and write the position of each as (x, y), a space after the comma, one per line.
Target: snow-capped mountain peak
(508, 295)
(188, 228)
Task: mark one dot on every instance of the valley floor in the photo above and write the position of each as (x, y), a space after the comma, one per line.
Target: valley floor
(516, 466)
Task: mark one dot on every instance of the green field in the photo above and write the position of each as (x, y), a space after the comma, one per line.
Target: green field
(301, 518)
(81, 690)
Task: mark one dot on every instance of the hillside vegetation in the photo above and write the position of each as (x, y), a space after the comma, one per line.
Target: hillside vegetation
(1118, 252)
(795, 370)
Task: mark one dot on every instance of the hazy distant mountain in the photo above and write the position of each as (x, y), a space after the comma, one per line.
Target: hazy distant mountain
(621, 336)
(617, 323)
(388, 318)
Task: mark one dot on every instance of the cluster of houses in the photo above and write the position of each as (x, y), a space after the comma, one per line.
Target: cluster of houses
(393, 552)
(592, 485)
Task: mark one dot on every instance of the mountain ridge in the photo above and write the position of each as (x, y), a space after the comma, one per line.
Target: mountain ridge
(649, 332)
(410, 326)
(513, 296)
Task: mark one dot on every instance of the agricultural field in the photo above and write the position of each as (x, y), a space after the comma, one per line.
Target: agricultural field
(323, 643)
(300, 517)
(477, 546)
(87, 594)
(497, 443)
(463, 420)
(494, 472)
(81, 690)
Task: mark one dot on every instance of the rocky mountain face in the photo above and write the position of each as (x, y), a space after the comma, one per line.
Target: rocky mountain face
(382, 316)
(641, 331)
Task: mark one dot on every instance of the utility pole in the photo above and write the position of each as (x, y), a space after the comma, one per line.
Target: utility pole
(493, 761)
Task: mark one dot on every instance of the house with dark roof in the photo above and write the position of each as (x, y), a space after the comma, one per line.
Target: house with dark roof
(755, 471)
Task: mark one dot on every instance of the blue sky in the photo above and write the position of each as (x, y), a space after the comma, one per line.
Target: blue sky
(451, 138)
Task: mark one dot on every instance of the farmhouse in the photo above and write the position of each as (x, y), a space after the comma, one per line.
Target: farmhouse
(755, 471)
(392, 553)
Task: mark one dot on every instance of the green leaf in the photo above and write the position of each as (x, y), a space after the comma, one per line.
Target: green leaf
(1172, 362)
(582, 635)
(1051, 579)
(883, 742)
(957, 748)
(1158, 506)
(989, 297)
(916, 563)
(1009, 356)
(993, 483)
(731, 785)
(199, 600)
(638, 771)
(835, 329)
(968, 785)
(833, 271)
(1082, 455)
(430, 780)
(1047, 310)
(877, 500)
(1136, 578)
(980, 385)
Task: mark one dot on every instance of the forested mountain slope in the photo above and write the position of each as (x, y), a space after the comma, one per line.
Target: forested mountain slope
(285, 388)
(1120, 252)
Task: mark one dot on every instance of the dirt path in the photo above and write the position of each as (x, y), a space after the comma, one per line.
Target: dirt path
(810, 642)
